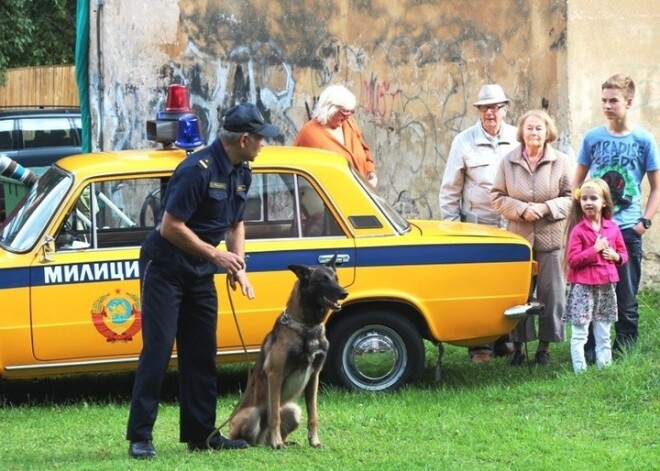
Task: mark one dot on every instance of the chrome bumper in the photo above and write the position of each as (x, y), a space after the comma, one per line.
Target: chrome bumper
(532, 308)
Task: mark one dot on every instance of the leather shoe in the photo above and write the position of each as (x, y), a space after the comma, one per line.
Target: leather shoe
(542, 358)
(517, 358)
(505, 349)
(481, 357)
(143, 450)
(218, 442)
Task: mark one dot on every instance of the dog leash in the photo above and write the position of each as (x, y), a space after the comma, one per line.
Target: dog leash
(216, 431)
(236, 323)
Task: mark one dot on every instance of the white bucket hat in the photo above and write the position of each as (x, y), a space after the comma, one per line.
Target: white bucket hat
(491, 94)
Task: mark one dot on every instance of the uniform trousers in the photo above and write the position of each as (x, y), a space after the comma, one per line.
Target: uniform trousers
(179, 301)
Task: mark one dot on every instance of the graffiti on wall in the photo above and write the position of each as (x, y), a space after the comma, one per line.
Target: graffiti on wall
(414, 88)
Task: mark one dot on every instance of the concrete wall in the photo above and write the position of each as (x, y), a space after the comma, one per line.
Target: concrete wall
(606, 37)
(414, 65)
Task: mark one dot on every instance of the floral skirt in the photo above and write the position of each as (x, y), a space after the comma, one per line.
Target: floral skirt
(585, 303)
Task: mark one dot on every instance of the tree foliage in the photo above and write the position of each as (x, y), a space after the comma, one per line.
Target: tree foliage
(36, 32)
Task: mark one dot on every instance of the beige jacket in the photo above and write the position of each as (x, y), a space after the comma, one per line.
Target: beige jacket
(516, 186)
(471, 166)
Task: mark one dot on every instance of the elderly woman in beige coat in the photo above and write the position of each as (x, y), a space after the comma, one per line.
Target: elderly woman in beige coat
(532, 190)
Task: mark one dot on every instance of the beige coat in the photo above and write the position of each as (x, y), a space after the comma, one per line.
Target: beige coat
(516, 186)
(470, 171)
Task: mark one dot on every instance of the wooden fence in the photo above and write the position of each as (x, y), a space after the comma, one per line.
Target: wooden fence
(40, 86)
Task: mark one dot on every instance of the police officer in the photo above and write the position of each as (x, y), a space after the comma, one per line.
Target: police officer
(203, 204)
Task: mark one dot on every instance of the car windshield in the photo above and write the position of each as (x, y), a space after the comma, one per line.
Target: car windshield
(24, 226)
(399, 222)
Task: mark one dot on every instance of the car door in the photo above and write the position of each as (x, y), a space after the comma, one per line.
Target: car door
(289, 219)
(86, 297)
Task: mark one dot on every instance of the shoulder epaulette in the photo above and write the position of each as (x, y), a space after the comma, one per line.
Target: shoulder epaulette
(204, 163)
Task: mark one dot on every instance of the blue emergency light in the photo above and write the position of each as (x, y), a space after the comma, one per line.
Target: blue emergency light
(176, 124)
(188, 135)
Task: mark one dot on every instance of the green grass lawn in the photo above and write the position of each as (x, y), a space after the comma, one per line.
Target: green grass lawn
(479, 417)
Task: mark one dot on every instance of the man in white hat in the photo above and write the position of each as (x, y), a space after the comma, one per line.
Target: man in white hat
(473, 160)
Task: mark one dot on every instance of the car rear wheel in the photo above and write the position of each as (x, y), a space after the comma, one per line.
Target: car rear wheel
(374, 351)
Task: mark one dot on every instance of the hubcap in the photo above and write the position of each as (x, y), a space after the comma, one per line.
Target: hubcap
(375, 358)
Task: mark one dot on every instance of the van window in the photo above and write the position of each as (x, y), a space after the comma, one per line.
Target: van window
(6, 131)
(47, 132)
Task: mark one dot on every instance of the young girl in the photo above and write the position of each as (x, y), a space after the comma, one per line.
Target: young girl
(594, 250)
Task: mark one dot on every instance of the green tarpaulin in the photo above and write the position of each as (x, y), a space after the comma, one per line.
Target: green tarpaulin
(82, 70)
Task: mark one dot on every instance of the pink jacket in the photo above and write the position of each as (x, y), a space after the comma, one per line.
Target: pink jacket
(585, 265)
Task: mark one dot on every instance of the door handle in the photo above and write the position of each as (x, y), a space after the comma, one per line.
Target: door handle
(341, 258)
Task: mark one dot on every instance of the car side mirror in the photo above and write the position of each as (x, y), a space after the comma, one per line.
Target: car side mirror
(47, 248)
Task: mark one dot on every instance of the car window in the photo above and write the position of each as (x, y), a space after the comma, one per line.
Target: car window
(47, 132)
(282, 205)
(400, 223)
(28, 221)
(6, 134)
(114, 213)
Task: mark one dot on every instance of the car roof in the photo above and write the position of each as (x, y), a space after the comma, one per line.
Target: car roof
(165, 160)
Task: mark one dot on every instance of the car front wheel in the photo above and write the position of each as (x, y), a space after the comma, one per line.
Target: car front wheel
(374, 351)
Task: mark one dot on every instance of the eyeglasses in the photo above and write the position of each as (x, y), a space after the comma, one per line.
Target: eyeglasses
(496, 107)
(345, 112)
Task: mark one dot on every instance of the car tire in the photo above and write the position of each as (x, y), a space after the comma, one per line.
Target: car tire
(375, 350)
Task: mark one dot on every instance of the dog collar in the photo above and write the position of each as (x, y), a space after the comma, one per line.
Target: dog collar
(285, 319)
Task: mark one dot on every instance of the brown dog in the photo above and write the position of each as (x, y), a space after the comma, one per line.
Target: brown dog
(289, 363)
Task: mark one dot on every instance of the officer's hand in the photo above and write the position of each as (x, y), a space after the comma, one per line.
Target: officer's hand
(231, 262)
(242, 279)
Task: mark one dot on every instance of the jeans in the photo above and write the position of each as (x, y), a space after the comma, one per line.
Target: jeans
(626, 293)
(601, 332)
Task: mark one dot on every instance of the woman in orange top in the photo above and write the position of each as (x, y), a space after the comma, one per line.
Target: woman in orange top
(333, 128)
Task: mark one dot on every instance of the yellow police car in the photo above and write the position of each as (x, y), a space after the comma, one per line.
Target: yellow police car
(69, 276)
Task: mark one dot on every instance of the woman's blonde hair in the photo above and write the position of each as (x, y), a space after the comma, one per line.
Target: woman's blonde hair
(331, 99)
(550, 126)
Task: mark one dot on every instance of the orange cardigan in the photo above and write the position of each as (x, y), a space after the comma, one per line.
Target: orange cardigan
(356, 151)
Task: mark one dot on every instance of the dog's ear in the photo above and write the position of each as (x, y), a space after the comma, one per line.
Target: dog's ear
(331, 263)
(301, 271)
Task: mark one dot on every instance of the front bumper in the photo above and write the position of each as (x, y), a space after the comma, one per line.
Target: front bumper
(520, 311)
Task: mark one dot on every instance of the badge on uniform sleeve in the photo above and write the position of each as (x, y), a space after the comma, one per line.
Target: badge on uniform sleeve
(241, 188)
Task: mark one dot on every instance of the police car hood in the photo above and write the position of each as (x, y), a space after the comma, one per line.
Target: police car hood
(432, 228)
